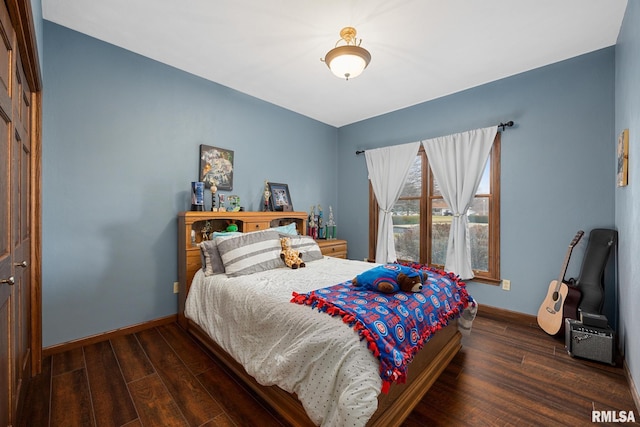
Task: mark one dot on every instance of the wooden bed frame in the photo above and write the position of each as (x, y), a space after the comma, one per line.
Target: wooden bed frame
(393, 407)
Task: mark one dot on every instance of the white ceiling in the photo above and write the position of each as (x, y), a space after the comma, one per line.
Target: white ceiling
(421, 49)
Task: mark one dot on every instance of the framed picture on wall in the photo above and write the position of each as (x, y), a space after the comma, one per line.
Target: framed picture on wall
(216, 167)
(622, 175)
(280, 198)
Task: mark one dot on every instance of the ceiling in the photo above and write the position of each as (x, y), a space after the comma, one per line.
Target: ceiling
(421, 49)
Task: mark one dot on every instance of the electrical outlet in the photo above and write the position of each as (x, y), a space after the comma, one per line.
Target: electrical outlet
(506, 285)
(176, 287)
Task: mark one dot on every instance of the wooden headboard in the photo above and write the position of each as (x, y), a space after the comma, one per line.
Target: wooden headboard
(189, 254)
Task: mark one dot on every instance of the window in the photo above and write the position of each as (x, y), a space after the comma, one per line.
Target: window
(421, 219)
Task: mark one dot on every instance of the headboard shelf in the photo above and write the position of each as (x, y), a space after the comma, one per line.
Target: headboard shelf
(189, 253)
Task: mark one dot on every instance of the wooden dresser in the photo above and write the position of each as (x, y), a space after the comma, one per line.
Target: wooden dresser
(334, 247)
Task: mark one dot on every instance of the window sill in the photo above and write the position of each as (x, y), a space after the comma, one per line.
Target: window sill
(486, 280)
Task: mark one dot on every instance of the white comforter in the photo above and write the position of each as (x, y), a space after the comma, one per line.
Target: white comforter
(309, 353)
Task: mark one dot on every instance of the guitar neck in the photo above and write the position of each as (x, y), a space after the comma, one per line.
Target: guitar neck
(567, 257)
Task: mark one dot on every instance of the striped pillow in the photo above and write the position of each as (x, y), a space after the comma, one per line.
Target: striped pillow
(307, 246)
(250, 253)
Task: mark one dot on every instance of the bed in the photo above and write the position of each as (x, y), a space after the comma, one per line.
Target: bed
(355, 377)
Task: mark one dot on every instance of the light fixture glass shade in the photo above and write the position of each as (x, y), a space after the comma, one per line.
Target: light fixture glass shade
(347, 62)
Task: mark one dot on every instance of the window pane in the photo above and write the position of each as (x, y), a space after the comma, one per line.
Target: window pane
(485, 183)
(440, 226)
(478, 216)
(413, 185)
(436, 187)
(440, 208)
(406, 229)
(479, 210)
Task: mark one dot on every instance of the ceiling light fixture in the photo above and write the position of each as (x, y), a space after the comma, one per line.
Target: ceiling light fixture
(348, 60)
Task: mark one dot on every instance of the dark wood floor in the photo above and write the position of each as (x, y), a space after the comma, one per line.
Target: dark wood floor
(509, 372)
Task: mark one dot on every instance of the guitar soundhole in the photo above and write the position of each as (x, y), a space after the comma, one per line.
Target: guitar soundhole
(555, 296)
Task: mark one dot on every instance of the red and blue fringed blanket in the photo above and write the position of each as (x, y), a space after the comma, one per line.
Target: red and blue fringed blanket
(396, 326)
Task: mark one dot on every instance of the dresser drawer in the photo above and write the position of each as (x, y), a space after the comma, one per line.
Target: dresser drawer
(335, 248)
(250, 226)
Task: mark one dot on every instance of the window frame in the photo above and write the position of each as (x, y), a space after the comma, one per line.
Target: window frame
(492, 276)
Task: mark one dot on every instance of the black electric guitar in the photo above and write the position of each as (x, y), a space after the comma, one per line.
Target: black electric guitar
(562, 300)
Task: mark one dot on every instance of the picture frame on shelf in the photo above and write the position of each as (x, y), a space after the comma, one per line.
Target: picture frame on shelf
(622, 174)
(216, 167)
(280, 198)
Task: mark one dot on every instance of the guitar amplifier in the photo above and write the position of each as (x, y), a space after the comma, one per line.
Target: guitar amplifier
(590, 342)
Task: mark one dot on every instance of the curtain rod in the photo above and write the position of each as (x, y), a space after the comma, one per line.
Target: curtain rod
(501, 125)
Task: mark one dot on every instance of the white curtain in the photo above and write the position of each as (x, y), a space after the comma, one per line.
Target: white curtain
(457, 162)
(388, 168)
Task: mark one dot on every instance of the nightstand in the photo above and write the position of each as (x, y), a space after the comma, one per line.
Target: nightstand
(333, 247)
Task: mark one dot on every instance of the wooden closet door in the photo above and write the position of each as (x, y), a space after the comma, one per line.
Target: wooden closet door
(20, 228)
(20, 207)
(15, 225)
(7, 382)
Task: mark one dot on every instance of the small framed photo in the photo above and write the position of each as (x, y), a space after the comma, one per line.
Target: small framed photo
(216, 167)
(622, 175)
(280, 197)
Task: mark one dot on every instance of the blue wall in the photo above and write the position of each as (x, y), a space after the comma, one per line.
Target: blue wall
(627, 199)
(36, 9)
(557, 174)
(121, 137)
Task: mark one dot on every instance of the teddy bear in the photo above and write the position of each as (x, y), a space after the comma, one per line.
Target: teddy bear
(291, 257)
(389, 278)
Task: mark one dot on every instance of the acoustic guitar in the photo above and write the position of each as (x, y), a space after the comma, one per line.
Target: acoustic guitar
(562, 300)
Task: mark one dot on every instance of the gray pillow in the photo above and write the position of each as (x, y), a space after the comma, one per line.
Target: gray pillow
(306, 245)
(210, 256)
(250, 252)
